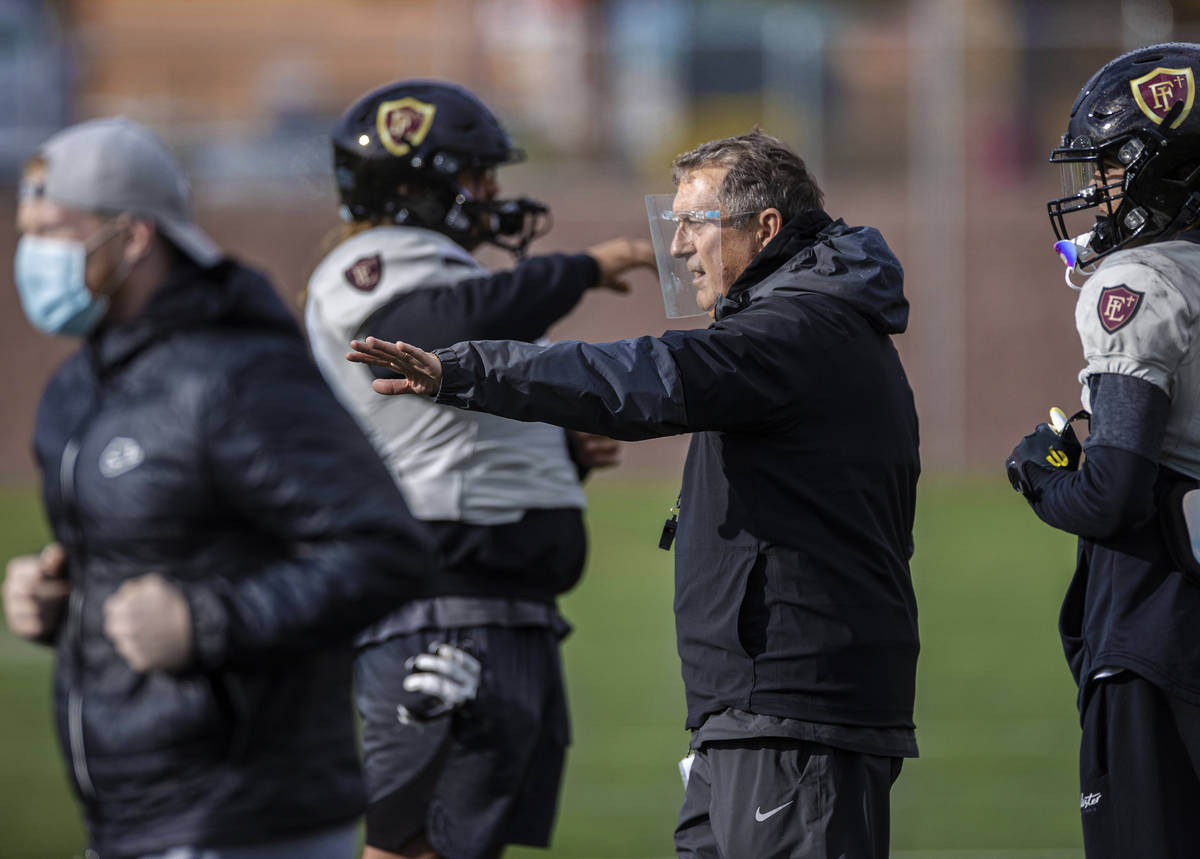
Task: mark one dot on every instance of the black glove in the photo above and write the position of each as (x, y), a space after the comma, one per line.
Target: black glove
(1043, 448)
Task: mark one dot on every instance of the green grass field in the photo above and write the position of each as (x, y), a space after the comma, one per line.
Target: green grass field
(995, 704)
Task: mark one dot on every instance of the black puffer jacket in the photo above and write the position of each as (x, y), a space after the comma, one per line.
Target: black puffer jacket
(199, 442)
(792, 589)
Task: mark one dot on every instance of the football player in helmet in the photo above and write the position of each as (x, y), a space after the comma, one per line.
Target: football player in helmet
(1131, 155)
(1128, 156)
(424, 154)
(461, 695)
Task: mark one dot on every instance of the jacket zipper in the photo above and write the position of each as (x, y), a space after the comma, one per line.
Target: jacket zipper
(66, 478)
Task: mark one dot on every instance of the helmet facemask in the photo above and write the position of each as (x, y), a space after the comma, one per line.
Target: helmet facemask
(1099, 178)
(511, 223)
(394, 193)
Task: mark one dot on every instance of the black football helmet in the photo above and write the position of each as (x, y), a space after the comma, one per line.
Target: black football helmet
(1136, 114)
(400, 151)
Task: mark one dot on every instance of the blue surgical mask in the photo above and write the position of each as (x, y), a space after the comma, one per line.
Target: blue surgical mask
(49, 275)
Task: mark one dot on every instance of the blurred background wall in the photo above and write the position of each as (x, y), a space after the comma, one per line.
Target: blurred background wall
(930, 119)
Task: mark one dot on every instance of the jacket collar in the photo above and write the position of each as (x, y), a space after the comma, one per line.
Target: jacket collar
(797, 234)
(191, 297)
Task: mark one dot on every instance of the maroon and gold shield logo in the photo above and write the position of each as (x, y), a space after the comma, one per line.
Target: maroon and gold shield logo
(1157, 92)
(366, 273)
(1117, 306)
(403, 123)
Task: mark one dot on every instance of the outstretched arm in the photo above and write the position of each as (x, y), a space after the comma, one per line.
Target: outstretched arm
(569, 384)
(755, 370)
(519, 304)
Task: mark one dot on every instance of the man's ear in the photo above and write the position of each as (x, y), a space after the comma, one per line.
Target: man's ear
(770, 222)
(141, 236)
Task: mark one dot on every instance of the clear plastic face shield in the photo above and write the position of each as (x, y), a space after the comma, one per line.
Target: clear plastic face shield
(687, 248)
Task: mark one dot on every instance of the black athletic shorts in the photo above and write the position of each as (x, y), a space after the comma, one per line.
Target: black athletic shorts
(781, 797)
(477, 779)
(1138, 762)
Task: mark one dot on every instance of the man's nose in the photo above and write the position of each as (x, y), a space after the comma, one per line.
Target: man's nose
(681, 243)
(27, 220)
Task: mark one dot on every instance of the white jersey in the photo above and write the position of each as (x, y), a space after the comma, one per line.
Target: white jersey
(450, 464)
(1137, 316)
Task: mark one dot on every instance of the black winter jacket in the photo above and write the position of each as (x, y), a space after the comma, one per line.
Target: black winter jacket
(198, 441)
(792, 589)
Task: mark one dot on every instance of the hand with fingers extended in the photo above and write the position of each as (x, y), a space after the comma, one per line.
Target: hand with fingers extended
(35, 592)
(422, 371)
(615, 257)
(444, 679)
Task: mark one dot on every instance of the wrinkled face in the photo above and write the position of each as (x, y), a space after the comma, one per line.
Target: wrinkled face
(715, 252)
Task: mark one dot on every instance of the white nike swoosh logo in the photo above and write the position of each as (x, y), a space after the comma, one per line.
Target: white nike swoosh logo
(760, 816)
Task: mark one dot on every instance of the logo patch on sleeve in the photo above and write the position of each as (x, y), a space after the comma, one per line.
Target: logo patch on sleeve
(365, 273)
(1117, 306)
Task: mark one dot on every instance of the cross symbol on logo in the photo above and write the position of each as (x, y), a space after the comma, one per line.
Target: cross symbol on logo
(1117, 306)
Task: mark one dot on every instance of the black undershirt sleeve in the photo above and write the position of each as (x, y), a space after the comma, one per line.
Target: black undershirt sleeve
(1114, 488)
(519, 304)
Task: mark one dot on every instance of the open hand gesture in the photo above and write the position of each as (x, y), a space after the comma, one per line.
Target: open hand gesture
(422, 370)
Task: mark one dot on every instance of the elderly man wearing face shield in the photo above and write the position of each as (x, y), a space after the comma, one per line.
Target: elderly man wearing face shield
(795, 615)
(222, 527)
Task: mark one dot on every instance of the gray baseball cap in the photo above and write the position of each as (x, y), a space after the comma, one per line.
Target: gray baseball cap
(116, 165)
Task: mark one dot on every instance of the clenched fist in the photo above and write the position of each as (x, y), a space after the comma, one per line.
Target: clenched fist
(149, 622)
(35, 593)
(1051, 446)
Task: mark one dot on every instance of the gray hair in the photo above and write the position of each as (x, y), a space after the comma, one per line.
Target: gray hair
(763, 174)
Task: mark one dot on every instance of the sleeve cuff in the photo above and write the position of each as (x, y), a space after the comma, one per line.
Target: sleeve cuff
(210, 627)
(455, 379)
(589, 268)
